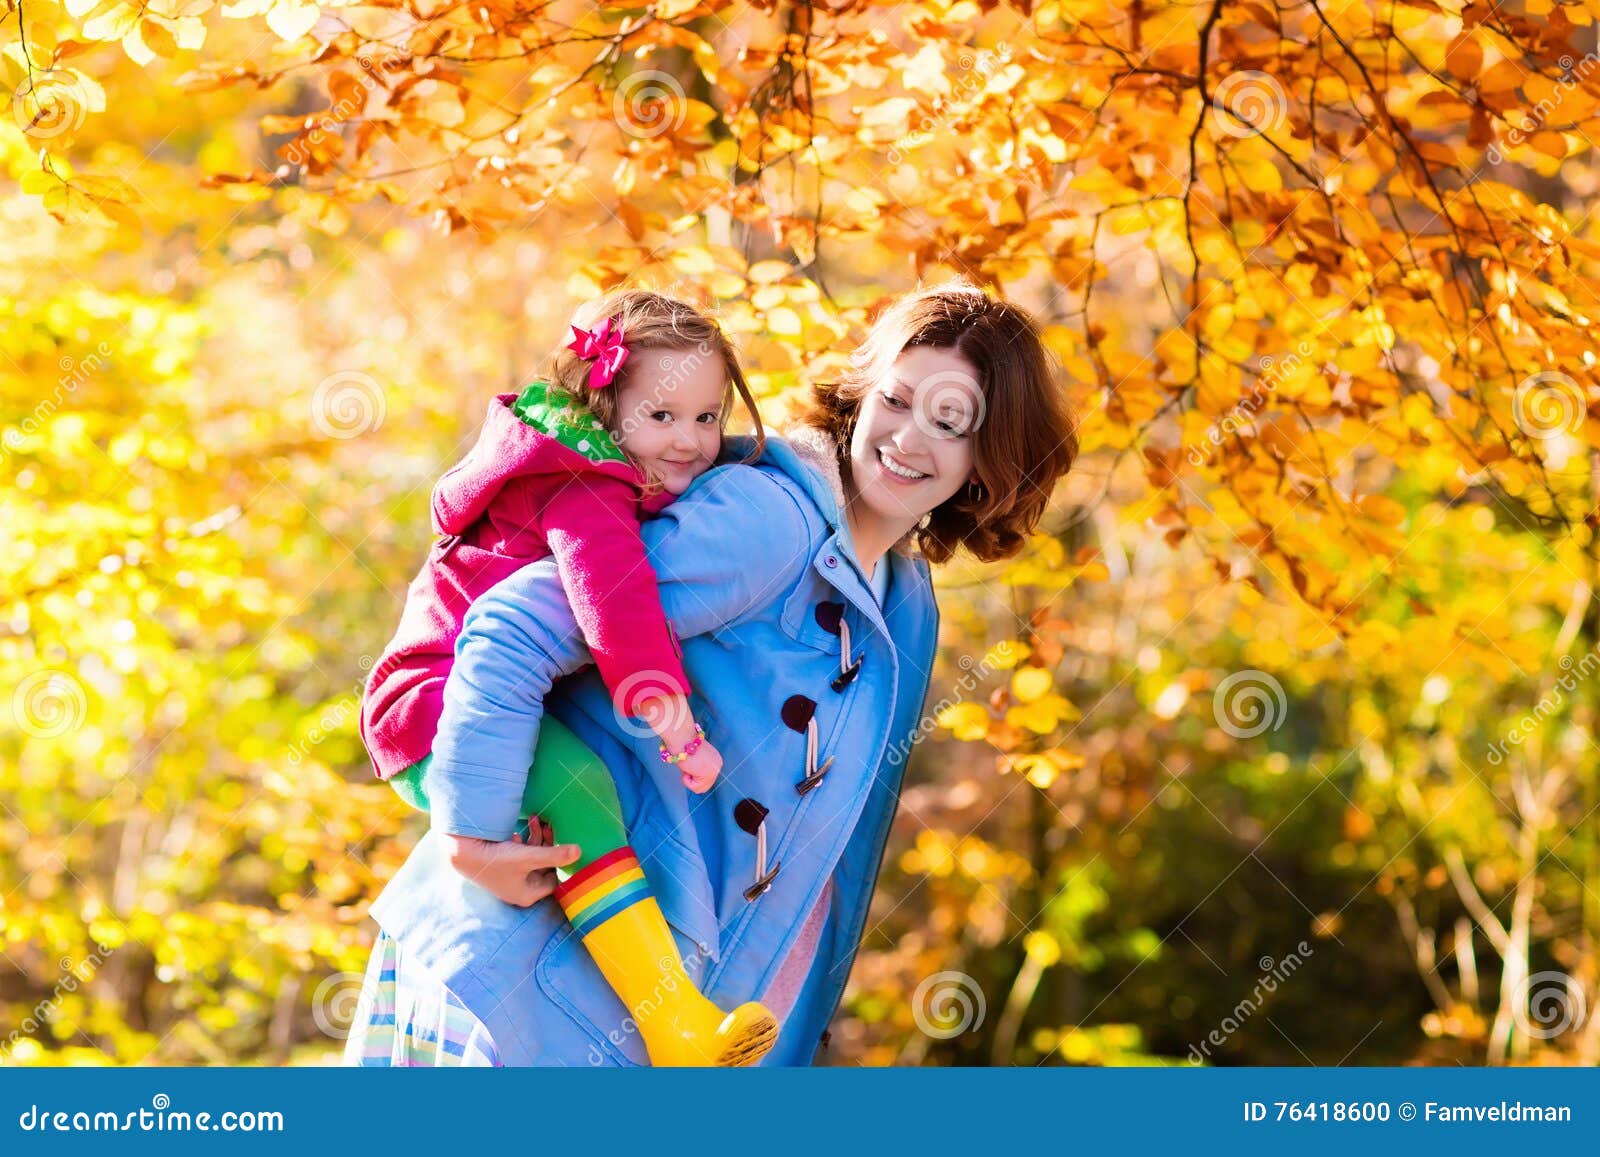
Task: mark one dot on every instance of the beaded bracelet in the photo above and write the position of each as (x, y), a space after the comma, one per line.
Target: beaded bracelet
(688, 748)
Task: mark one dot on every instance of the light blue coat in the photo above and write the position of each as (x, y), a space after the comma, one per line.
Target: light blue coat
(743, 559)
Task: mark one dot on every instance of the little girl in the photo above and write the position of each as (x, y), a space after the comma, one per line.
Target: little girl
(632, 414)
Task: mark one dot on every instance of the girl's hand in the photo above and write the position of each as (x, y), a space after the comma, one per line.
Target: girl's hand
(700, 769)
(517, 871)
(672, 721)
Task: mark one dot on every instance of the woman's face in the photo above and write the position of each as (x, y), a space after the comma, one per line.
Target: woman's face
(912, 446)
(669, 413)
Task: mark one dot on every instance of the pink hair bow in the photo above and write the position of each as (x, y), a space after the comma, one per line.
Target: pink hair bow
(605, 346)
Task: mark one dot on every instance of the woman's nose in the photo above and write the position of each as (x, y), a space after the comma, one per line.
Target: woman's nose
(908, 439)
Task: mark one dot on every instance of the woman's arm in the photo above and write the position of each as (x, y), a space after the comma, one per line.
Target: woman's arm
(726, 548)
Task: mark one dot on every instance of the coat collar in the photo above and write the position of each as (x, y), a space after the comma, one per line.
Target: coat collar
(811, 458)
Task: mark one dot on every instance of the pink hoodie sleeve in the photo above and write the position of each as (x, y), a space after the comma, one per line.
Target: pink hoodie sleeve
(592, 527)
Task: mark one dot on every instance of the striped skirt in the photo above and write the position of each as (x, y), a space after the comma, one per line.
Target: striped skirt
(406, 1018)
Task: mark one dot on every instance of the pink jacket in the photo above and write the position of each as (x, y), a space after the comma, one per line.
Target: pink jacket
(518, 497)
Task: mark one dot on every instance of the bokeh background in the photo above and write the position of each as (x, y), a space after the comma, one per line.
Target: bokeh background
(1274, 747)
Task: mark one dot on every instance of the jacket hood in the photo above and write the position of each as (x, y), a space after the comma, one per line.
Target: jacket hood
(508, 448)
(807, 455)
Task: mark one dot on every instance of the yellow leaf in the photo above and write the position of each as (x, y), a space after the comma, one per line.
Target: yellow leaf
(291, 20)
(724, 284)
(693, 260)
(38, 181)
(1385, 510)
(927, 71)
(965, 720)
(1030, 683)
(191, 32)
(784, 322)
(158, 37)
(767, 272)
(1037, 769)
(1006, 654)
(1043, 715)
(112, 24)
(890, 113)
(138, 51)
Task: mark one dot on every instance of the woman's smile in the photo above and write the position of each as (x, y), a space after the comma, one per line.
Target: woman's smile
(898, 471)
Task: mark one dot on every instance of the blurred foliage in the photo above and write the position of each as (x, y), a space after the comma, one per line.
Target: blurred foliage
(1288, 754)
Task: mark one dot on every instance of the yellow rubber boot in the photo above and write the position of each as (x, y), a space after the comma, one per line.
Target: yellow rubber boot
(628, 938)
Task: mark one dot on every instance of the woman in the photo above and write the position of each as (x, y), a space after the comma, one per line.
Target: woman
(800, 590)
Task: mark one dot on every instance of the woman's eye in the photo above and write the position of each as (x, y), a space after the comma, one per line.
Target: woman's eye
(893, 402)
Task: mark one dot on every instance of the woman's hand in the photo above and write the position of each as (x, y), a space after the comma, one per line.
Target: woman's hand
(520, 872)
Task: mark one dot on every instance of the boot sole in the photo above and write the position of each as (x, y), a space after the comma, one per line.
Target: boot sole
(750, 1045)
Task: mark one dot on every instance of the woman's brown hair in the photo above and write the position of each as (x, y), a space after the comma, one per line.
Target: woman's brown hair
(650, 320)
(1025, 439)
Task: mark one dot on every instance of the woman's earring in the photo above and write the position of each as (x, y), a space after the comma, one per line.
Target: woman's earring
(974, 491)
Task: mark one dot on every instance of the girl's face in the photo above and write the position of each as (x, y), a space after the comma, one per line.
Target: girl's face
(669, 413)
(912, 446)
